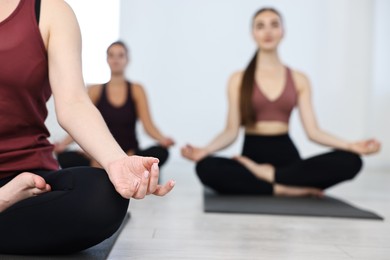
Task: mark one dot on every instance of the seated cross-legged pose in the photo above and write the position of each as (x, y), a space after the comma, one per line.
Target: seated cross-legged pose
(121, 103)
(261, 99)
(44, 210)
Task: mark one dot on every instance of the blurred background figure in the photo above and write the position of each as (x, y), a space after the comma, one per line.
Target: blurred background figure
(121, 104)
(261, 99)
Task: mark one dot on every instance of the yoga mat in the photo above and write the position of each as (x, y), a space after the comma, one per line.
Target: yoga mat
(97, 252)
(298, 206)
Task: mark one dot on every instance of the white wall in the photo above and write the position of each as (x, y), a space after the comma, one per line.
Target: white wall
(380, 95)
(184, 52)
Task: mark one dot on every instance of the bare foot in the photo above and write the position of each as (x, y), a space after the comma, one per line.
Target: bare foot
(23, 186)
(291, 191)
(265, 172)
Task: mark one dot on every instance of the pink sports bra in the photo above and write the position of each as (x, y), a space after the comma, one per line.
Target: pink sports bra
(279, 109)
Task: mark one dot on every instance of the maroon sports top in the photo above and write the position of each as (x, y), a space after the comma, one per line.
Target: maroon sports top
(24, 91)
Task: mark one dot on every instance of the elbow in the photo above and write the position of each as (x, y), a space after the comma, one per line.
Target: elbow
(233, 134)
(62, 118)
(66, 111)
(150, 129)
(312, 135)
(64, 114)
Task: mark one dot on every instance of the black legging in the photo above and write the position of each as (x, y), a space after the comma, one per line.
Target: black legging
(323, 171)
(74, 158)
(82, 210)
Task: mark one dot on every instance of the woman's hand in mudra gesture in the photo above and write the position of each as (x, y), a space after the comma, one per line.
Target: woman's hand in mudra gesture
(137, 176)
(365, 147)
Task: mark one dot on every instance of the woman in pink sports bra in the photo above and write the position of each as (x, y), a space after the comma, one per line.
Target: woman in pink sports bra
(261, 99)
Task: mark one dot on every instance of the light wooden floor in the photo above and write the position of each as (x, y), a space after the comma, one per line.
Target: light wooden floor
(175, 227)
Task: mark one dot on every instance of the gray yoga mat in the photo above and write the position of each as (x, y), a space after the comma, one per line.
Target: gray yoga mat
(299, 206)
(97, 252)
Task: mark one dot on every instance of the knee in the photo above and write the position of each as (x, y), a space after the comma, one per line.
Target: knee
(95, 186)
(158, 151)
(353, 163)
(64, 160)
(163, 155)
(111, 207)
(72, 159)
(202, 165)
(203, 169)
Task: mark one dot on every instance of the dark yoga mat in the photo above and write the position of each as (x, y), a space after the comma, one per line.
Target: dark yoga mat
(100, 251)
(302, 206)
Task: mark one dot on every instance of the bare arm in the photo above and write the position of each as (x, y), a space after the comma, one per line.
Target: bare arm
(94, 94)
(61, 146)
(315, 133)
(231, 130)
(145, 116)
(131, 176)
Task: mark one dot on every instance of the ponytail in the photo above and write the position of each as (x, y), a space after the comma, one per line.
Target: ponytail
(248, 81)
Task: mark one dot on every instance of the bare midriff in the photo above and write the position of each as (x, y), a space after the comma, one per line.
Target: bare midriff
(268, 128)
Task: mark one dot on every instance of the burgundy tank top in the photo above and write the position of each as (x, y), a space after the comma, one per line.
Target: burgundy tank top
(24, 90)
(279, 109)
(120, 120)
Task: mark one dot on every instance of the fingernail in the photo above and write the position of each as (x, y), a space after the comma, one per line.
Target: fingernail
(155, 167)
(172, 183)
(146, 174)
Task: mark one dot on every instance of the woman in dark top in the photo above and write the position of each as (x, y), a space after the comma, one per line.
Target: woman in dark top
(261, 99)
(121, 103)
(44, 210)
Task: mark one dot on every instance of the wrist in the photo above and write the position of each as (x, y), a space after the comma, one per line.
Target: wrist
(4, 204)
(112, 158)
(207, 151)
(348, 147)
(161, 140)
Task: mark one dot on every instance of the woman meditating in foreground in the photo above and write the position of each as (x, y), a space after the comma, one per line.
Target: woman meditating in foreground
(44, 210)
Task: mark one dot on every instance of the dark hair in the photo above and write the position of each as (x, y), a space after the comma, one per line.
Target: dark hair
(120, 43)
(247, 114)
(267, 9)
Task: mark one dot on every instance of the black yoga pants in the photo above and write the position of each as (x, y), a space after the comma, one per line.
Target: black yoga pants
(82, 210)
(226, 175)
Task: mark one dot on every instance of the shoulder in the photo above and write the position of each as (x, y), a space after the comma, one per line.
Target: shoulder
(137, 87)
(94, 92)
(236, 77)
(137, 90)
(56, 10)
(235, 80)
(57, 18)
(300, 79)
(57, 6)
(94, 88)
